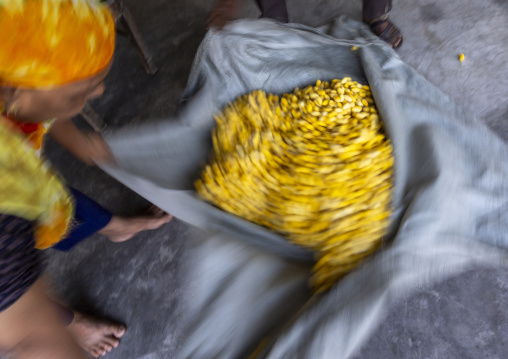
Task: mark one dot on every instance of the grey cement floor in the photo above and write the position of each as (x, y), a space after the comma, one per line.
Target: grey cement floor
(139, 282)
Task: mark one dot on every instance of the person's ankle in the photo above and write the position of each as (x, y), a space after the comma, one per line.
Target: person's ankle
(370, 21)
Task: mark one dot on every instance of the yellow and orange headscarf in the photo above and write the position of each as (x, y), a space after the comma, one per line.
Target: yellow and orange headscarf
(45, 43)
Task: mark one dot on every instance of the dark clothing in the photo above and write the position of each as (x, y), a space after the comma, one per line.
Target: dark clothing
(374, 9)
(20, 263)
(276, 9)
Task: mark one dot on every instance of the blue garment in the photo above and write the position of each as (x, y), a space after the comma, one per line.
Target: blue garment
(89, 218)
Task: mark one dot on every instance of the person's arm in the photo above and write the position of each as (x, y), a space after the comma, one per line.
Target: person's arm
(32, 329)
(223, 12)
(87, 147)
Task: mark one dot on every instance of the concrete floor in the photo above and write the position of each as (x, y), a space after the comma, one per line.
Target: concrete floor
(139, 282)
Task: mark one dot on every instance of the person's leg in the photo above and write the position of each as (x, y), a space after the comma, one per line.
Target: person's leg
(375, 13)
(90, 218)
(96, 336)
(30, 327)
(274, 9)
(375, 9)
(66, 315)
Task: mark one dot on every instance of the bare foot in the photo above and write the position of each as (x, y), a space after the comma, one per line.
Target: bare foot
(97, 337)
(120, 229)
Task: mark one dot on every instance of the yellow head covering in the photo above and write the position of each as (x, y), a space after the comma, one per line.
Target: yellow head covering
(46, 43)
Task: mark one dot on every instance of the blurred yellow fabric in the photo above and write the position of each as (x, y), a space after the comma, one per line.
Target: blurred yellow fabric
(30, 190)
